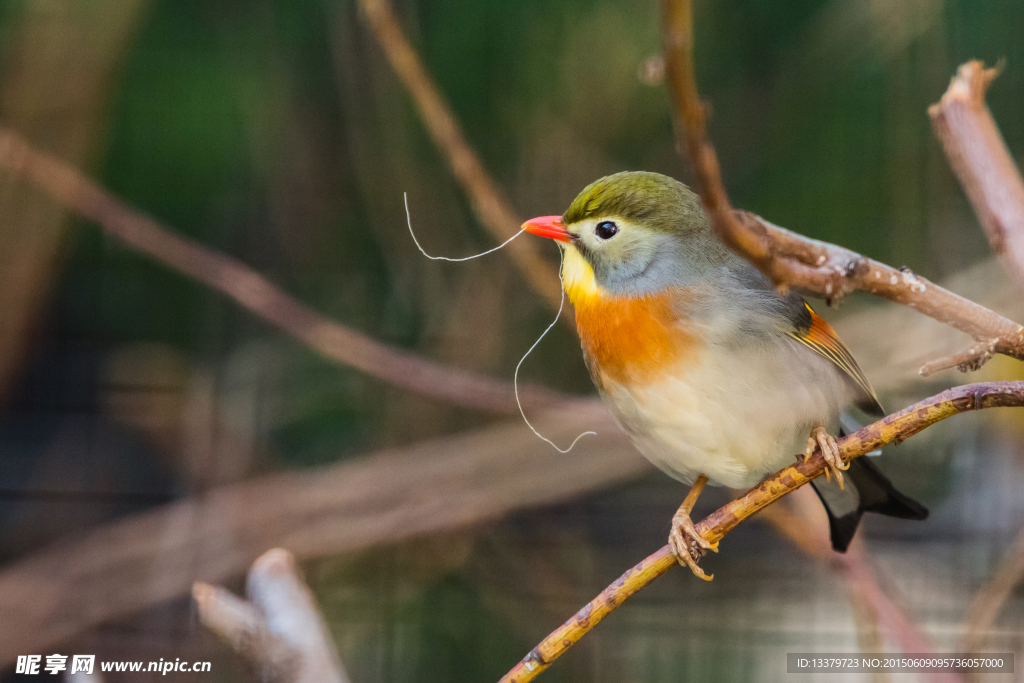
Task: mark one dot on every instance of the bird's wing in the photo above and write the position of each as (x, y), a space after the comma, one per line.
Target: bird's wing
(813, 332)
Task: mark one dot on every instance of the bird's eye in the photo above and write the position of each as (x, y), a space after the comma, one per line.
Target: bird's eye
(606, 230)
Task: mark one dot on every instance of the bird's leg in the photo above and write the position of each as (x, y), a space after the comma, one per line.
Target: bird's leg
(829, 450)
(684, 534)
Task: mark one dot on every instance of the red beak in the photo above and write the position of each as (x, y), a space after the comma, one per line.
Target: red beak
(547, 226)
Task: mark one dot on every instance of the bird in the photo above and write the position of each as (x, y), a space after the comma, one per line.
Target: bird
(713, 375)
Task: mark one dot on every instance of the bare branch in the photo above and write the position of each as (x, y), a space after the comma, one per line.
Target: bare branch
(280, 632)
(245, 630)
(491, 209)
(978, 155)
(349, 507)
(839, 271)
(277, 589)
(893, 429)
(791, 260)
(893, 361)
(224, 274)
(969, 360)
(480, 475)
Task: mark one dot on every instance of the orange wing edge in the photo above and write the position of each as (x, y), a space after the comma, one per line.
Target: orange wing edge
(813, 332)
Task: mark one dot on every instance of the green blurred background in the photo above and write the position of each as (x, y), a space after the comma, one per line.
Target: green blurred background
(276, 132)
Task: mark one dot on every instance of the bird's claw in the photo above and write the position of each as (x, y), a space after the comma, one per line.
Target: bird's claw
(834, 464)
(685, 543)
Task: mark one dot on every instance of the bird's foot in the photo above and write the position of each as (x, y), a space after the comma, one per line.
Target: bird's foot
(685, 543)
(834, 464)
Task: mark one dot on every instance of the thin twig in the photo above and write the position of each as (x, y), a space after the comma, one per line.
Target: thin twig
(229, 276)
(491, 209)
(791, 260)
(843, 270)
(978, 155)
(893, 361)
(893, 429)
(968, 360)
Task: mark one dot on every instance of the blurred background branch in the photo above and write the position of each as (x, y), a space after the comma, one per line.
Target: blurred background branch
(492, 210)
(978, 154)
(992, 598)
(142, 406)
(279, 631)
(382, 498)
(800, 519)
(252, 291)
(502, 458)
(55, 91)
(499, 457)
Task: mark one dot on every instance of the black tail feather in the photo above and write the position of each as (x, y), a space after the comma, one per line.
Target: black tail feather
(867, 490)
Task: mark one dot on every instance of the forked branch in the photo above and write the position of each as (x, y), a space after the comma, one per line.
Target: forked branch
(279, 632)
(892, 429)
(790, 260)
(830, 272)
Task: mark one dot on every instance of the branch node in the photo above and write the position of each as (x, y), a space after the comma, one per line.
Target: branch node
(791, 261)
(857, 266)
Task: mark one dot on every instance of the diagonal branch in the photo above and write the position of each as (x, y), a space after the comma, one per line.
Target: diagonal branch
(893, 429)
(491, 209)
(791, 260)
(978, 155)
(229, 276)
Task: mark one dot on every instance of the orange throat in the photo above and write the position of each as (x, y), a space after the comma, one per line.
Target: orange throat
(630, 340)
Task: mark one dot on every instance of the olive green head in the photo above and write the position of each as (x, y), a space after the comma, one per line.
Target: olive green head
(642, 231)
(655, 201)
